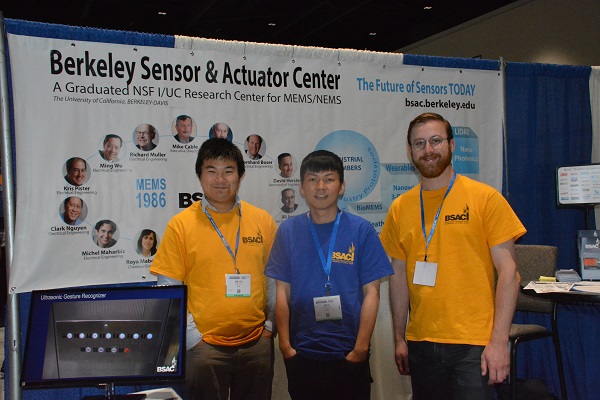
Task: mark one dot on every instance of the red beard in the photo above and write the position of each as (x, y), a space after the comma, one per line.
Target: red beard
(433, 170)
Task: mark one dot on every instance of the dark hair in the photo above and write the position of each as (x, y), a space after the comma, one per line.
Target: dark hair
(219, 149)
(286, 189)
(182, 117)
(72, 160)
(426, 117)
(322, 160)
(146, 232)
(67, 200)
(112, 136)
(260, 139)
(282, 156)
(106, 222)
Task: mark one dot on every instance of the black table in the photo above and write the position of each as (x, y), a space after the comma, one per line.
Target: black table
(569, 298)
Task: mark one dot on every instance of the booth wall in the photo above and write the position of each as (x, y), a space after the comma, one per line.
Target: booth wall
(548, 124)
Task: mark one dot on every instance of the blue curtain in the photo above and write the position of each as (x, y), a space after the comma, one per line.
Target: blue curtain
(548, 124)
(579, 329)
(447, 62)
(55, 31)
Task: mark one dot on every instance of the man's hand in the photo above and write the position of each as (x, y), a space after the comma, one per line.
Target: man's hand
(356, 357)
(402, 358)
(287, 352)
(267, 333)
(495, 361)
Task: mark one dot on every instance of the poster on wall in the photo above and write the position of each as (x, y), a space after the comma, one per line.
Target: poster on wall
(107, 136)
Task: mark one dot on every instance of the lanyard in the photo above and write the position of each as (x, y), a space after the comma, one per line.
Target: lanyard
(237, 238)
(326, 262)
(437, 215)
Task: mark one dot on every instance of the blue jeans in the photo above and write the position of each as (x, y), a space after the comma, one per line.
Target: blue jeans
(447, 371)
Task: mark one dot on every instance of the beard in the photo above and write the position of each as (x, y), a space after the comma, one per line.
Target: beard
(433, 170)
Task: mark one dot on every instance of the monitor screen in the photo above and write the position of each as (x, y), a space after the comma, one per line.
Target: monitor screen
(85, 336)
(578, 185)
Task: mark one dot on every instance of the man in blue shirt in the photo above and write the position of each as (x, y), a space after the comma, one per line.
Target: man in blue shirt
(327, 265)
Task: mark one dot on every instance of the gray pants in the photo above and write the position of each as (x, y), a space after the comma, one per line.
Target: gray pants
(225, 372)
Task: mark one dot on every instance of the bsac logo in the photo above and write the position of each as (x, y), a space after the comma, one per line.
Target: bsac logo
(258, 239)
(458, 218)
(594, 245)
(344, 258)
(168, 368)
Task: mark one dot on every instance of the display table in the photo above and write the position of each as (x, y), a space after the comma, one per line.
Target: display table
(578, 321)
(570, 297)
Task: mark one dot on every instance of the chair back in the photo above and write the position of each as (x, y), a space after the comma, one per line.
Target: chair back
(534, 261)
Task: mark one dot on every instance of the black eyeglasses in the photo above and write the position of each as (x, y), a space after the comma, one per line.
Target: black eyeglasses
(435, 142)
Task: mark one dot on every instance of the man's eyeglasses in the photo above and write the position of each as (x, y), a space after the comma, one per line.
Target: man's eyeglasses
(435, 142)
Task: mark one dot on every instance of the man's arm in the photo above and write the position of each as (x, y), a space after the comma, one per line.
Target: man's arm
(270, 325)
(495, 359)
(192, 335)
(368, 316)
(399, 301)
(282, 316)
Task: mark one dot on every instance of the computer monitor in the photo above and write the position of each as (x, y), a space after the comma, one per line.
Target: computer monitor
(578, 185)
(105, 336)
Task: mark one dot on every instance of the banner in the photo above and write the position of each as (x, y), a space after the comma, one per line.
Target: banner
(107, 137)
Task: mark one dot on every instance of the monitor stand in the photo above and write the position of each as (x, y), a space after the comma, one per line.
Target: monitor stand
(111, 395)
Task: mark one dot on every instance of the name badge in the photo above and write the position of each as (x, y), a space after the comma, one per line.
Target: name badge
(425, 273)
(327, 308)
(238, 285)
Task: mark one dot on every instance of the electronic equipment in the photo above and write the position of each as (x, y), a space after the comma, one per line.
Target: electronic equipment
(588, 246)
(567, 275)
(105, 336)
(578, 185)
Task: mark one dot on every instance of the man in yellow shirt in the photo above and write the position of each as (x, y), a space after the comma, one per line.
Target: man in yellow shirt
(219, 247)
(447, 237)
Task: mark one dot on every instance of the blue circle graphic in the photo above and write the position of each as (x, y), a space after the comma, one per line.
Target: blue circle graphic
(361, 163)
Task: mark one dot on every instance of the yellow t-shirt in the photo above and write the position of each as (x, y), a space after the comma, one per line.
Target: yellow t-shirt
(192, 251)
(474, 217)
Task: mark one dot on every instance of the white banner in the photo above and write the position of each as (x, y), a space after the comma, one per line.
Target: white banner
(69, 95)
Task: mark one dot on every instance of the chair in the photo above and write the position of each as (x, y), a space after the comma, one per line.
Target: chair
(534, 261)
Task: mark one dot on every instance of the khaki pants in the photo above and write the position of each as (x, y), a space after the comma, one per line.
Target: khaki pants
(223, 372)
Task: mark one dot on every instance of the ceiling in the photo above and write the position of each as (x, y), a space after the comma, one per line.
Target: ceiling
(376, 25)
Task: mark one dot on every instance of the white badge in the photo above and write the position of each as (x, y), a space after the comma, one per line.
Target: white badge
(425, 273)
(327, 308)
(238, 285)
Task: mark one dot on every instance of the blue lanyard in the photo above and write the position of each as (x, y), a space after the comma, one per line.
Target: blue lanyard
(237, 238)
(326, 262)
(437, 215)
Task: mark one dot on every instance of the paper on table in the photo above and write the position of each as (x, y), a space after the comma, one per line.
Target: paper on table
(589, 287)
(588, 283)
(547, 287)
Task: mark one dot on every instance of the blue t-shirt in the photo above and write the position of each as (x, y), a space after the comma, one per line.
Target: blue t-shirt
(358, 259)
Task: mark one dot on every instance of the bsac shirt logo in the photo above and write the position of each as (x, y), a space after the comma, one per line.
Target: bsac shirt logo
(253, 240)
(458, 218)
(344, 258)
